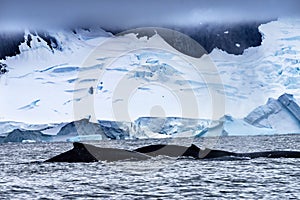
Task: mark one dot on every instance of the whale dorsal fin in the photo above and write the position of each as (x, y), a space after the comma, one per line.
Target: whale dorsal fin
(78, 145)
(194, 147)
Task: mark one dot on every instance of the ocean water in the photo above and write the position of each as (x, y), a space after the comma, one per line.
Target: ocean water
(157, 178)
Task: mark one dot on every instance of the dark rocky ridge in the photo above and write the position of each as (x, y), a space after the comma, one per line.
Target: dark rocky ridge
(210, 36)
(226, 36)
(217, 35)
(3, 68)
(10, 42)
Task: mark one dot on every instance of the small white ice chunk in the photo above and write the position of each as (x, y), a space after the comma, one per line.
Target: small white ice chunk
(237, 44)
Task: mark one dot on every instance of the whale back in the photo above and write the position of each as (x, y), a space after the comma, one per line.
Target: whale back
(170, 150)
(78, 154)
(90, 153)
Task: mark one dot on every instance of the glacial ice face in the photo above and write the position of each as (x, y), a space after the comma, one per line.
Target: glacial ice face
(170, 127)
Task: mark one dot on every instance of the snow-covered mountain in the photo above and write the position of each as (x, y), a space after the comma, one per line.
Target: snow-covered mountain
(262, 72)
(46, 67)
(59, 72)
(16, 42)
(73, 76)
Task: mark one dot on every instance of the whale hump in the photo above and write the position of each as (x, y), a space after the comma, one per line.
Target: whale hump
(194, 147)
(82, 146)
(78, 145)
(89, 153)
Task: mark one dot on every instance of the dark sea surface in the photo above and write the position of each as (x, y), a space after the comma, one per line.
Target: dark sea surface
(157, 178)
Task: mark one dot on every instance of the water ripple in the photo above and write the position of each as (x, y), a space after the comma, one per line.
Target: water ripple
(157, 178)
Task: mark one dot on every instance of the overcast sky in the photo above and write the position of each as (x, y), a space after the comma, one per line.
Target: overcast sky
(133, 13)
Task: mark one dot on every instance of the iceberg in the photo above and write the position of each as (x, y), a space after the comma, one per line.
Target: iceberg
(23, 136)
(115, 130)
(84, 129)
(282, 115)
(239, 127)
(9, 126)
(80, 130)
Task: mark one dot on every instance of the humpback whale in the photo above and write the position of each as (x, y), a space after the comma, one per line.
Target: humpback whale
(182, 151)
(197, 153)
(89, 153)
(170, 150)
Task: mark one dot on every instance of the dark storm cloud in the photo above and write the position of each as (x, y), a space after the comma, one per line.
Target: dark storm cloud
(131, 13)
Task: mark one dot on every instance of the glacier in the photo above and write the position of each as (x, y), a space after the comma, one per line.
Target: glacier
(43, 84)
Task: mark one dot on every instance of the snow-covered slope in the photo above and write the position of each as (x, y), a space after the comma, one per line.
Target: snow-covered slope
(51, 82)
(38, 88)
